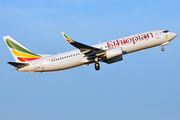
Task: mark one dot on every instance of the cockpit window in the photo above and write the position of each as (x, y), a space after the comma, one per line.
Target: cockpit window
(166, 31)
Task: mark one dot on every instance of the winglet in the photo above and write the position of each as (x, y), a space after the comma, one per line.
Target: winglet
(66, 37)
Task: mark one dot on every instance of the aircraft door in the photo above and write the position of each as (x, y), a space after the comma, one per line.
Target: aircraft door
(42, 65)
(159, 40)
(157, 35)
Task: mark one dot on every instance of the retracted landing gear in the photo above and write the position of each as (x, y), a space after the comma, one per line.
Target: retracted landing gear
(97, 66)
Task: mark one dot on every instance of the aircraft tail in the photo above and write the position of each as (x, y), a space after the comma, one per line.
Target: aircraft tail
(20, 53)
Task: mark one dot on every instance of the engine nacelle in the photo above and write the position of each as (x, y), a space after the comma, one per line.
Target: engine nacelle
(113, 52)
(114, 59)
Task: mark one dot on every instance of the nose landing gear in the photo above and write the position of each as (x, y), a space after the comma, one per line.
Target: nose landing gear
(97, 66)
(162, 48)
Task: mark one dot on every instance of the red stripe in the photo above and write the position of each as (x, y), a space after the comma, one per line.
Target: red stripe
(26, 59)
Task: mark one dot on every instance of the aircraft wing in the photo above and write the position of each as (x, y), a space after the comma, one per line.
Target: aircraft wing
(89, 51)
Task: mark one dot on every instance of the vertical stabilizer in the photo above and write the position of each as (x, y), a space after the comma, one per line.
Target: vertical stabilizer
(20, 52)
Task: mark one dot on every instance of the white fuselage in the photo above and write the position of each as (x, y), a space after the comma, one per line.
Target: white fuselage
(75, 58)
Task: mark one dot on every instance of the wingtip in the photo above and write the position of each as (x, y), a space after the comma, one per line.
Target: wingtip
(66, 37)
(62, 33)
(4, 37)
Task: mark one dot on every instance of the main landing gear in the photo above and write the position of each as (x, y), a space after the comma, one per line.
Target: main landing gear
(97, 66)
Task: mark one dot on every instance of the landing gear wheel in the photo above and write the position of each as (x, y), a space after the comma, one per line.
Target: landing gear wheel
(162, 49)
(97, 67)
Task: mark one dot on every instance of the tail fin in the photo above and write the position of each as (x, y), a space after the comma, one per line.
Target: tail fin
(20, 53)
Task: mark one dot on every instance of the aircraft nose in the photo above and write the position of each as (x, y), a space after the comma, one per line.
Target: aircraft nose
(173, 34)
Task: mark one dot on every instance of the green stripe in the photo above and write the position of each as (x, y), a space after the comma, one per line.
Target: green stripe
(66, 36)
(17, 47)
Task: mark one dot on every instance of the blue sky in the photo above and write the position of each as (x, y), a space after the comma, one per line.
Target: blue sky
(144, 86)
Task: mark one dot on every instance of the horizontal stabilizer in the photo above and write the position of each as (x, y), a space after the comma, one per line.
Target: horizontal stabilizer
(18, 65)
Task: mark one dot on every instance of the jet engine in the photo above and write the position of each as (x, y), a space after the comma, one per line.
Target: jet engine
(114, 55)
(113, 52)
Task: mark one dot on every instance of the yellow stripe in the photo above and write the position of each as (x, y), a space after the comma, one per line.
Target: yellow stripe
(166, 37)
(67, 38)
(20, 54)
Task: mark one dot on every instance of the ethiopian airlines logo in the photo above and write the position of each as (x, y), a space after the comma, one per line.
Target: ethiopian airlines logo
(21, 53)
(133, 40)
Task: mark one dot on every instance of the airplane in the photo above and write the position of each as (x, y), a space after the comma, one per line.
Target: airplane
(109, 52)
